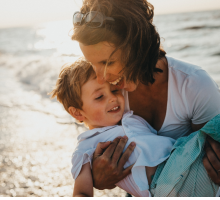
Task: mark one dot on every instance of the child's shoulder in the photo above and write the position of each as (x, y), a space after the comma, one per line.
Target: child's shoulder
(136, 123)
(89, 139)
(79, 158)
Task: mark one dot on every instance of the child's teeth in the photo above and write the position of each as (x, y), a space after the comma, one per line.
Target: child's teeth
(115, 108)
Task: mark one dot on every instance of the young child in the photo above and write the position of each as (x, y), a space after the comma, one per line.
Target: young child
(101, 108)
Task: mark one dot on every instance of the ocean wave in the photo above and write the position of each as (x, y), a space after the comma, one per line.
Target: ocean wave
(200, 27)
(216, 54)
(36, 54)
(184, 47)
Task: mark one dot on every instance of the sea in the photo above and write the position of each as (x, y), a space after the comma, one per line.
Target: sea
(37, 136)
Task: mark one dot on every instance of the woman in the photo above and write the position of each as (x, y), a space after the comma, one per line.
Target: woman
(174, 97)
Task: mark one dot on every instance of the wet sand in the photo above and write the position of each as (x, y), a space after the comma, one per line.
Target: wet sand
(35, 159)
(36, 144)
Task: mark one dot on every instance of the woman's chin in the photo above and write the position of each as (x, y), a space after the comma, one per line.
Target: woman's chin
(122, 84)
(130, 87)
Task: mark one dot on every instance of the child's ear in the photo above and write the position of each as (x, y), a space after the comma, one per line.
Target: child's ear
(76, 113)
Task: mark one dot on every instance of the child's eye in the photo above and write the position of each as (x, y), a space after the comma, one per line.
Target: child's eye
(99, 97)
(114, 91)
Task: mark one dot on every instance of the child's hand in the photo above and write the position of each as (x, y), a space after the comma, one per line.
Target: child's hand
(108, 163)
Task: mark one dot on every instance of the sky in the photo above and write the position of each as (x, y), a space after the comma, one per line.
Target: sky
(15, 13)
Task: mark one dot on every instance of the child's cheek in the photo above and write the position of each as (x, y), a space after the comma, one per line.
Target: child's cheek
(98, 115)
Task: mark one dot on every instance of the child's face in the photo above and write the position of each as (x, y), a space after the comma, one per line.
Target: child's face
(103, 104)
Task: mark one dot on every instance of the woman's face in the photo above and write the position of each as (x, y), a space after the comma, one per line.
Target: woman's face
(98, 55)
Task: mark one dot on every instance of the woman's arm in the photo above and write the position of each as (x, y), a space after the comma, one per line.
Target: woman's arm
(211, 160)
(203, 97)
(84, 185)
(108, 163)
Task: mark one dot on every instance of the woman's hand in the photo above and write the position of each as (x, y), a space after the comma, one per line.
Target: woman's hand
(211, 160)
(108, 163)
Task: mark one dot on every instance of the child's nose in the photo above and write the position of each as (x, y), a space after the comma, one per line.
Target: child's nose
(113, 98)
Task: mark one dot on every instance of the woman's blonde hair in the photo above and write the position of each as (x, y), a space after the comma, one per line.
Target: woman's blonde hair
(132, 31)
(70, 81)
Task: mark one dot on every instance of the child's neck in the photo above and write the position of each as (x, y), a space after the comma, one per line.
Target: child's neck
(119, 123)
(92, 127)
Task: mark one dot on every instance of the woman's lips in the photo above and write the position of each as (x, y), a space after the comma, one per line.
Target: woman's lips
(115, 82)
(120, 84)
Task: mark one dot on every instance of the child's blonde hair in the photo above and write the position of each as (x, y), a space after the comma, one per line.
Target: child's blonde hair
(70, 81)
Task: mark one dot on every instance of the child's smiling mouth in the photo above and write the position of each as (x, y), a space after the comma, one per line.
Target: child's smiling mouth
(115, 109)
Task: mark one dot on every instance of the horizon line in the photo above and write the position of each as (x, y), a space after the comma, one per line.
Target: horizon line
(48, 21)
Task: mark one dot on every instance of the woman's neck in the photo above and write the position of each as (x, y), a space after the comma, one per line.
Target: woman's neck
(150, 101)
(160, 79)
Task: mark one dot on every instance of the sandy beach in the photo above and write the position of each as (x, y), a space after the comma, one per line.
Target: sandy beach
(38, 165)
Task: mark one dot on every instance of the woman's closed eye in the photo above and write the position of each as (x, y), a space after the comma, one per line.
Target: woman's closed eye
(107, 63)
(115, 91)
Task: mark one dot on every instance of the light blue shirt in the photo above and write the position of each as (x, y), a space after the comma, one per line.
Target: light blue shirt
(150, 150)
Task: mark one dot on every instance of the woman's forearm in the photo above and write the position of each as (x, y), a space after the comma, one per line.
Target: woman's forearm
(211, 160)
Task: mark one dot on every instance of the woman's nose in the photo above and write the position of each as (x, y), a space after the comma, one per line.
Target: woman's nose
(100, 74)
(100, 79)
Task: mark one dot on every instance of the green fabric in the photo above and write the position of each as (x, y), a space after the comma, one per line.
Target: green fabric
(183, 173)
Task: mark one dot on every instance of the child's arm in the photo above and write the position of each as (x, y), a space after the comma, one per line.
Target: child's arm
(84, 184)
